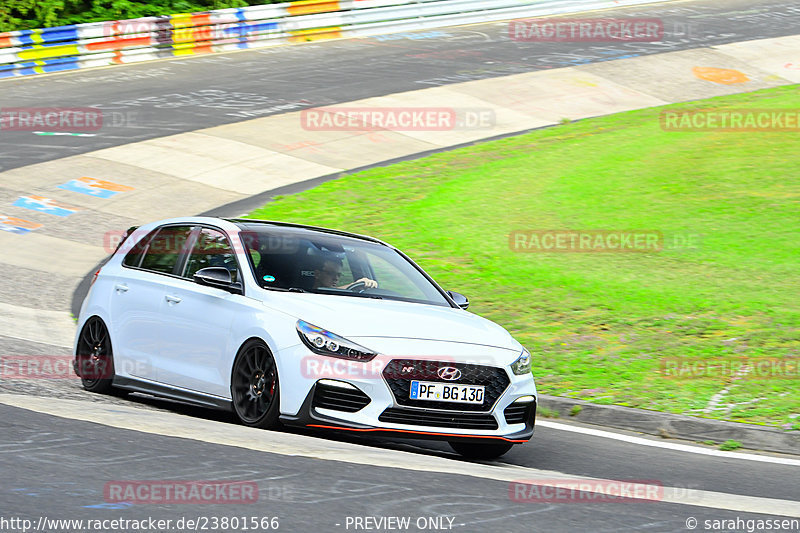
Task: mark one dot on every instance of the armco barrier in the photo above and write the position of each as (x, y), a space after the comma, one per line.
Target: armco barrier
(97, 44)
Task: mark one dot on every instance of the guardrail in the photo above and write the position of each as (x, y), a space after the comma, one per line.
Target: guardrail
(95, 44)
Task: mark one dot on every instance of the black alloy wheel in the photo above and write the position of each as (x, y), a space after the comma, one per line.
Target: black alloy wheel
(254, 386)
(94, 357)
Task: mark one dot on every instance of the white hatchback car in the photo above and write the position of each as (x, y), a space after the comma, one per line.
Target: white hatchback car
(283, 323)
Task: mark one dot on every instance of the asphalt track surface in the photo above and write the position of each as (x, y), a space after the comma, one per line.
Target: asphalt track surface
(57, 467)
(155, 99)
(60, 472)
(64, 473)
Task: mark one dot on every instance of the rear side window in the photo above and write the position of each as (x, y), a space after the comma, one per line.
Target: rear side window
(212, 249)
(134, 257)
(163, 250)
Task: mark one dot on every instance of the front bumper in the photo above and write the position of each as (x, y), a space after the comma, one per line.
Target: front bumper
(371, 419)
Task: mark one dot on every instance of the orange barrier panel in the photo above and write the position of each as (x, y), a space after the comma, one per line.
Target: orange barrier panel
(309, 7)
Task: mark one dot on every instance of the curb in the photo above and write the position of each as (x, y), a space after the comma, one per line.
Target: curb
(674, 426)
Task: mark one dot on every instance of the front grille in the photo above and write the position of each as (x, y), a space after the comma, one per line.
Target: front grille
(339, 399)
(518, 413)
(400, 372)
(414, 417)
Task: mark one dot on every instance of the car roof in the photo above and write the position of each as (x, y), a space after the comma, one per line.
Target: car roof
(231, 224)
(251, 223)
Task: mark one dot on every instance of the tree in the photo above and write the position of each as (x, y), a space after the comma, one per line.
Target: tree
(28, 14)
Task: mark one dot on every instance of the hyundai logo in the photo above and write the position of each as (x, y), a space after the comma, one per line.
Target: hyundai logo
(449, 373)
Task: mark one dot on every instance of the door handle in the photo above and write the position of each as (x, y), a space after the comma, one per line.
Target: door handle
(172, 299)
(121, 288)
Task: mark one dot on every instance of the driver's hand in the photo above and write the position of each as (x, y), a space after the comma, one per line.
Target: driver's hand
(368, 283)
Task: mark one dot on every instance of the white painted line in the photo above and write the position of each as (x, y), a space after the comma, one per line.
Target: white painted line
(63, 134)
(37, 325)
(666, 445)
(174, 425)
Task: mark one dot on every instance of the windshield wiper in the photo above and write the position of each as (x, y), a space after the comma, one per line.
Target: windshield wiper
(332, 292)
(349, 293)
(284, 289)
(364, 295)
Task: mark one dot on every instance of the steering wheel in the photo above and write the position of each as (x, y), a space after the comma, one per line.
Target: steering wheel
(358, 286)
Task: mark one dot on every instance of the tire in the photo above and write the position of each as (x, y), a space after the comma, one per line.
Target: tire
(481, 451)
(255, 389)
(95, 357)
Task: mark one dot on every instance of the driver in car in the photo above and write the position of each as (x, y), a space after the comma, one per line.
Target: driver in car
(330, 269)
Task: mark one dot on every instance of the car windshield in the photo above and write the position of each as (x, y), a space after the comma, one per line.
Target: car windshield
(303, 260)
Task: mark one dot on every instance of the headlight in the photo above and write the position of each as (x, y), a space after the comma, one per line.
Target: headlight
(522, 365)
(324, 342)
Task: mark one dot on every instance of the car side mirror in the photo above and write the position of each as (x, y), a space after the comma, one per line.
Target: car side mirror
(460, 300)
(217, 277)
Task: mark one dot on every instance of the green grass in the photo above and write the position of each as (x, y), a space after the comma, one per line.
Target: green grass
(729, 445)
(600, 324)
(544, 412)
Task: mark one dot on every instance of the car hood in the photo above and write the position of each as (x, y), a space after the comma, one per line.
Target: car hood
(364, 318)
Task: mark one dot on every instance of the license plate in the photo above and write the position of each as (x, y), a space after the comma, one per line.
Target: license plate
(446, 392)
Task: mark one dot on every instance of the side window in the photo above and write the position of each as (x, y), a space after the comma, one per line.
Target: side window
(134, 257)
(164, 249)
(212, 249)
